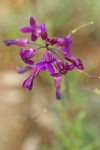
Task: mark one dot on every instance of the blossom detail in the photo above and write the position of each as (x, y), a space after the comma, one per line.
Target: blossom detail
(26, 56)
(46, 64)
(34, 29)
(28, 83)
(57, 86)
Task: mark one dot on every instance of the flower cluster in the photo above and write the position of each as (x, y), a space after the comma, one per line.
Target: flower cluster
(57, 58)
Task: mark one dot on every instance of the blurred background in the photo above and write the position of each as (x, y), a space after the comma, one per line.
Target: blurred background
(36, 120)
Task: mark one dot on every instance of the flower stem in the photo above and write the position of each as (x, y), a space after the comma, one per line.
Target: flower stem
(67, 91)
(40, 48)
(89, 76)
(82, 26)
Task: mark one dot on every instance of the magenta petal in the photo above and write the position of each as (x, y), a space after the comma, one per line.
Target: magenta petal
(57, 85)
(52, 60)
(68, 41)
(21, 41)
(30, 62)
(71, 66)
(55, 75)
(33, 37)
(32, 22)
(50, 68)
(9, 42)
(43, 28)
(43, 68)
(28, 83)
(66, 51)
(41, 64)
(26, 29)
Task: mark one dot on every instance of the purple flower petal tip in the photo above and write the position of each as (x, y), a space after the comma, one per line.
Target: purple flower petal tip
(26, 29)
(32, 22)
(58, 95)
(34, 37)
(9, 42)
(43, 27)
(28, 83)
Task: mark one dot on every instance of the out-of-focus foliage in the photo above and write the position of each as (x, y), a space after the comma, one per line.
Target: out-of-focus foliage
(74, 132)
(75, 135)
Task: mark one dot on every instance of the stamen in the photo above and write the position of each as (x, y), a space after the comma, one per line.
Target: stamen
(89, 76)
(82, 26)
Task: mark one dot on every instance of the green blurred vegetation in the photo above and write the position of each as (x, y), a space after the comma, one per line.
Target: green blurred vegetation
(79, 109)
(78, 128)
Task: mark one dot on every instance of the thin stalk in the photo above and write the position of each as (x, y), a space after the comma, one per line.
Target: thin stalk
(89, 76)
(68, 98)
(39, 48)
(82, 26)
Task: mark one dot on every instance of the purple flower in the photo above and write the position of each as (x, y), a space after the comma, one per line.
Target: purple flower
(10, 42)
(19, 42)
(26, 55)
(34, 29)
(78, 63)
(45, 37)
(53, 41)
(28, 83)
(75, 61)
(62, 68)
(64, 42)
(46, 64)
(56, 60)
(57, 86)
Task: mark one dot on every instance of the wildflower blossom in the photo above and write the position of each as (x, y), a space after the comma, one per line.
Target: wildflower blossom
(46, 64)
(52, 60)
(76, 61)
(61, 67)
(64, 42)
(28, 83)
(26, 55)
(34, 29)
(19, 42)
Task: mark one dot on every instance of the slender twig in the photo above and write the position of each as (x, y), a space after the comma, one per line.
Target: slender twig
(89, 76)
